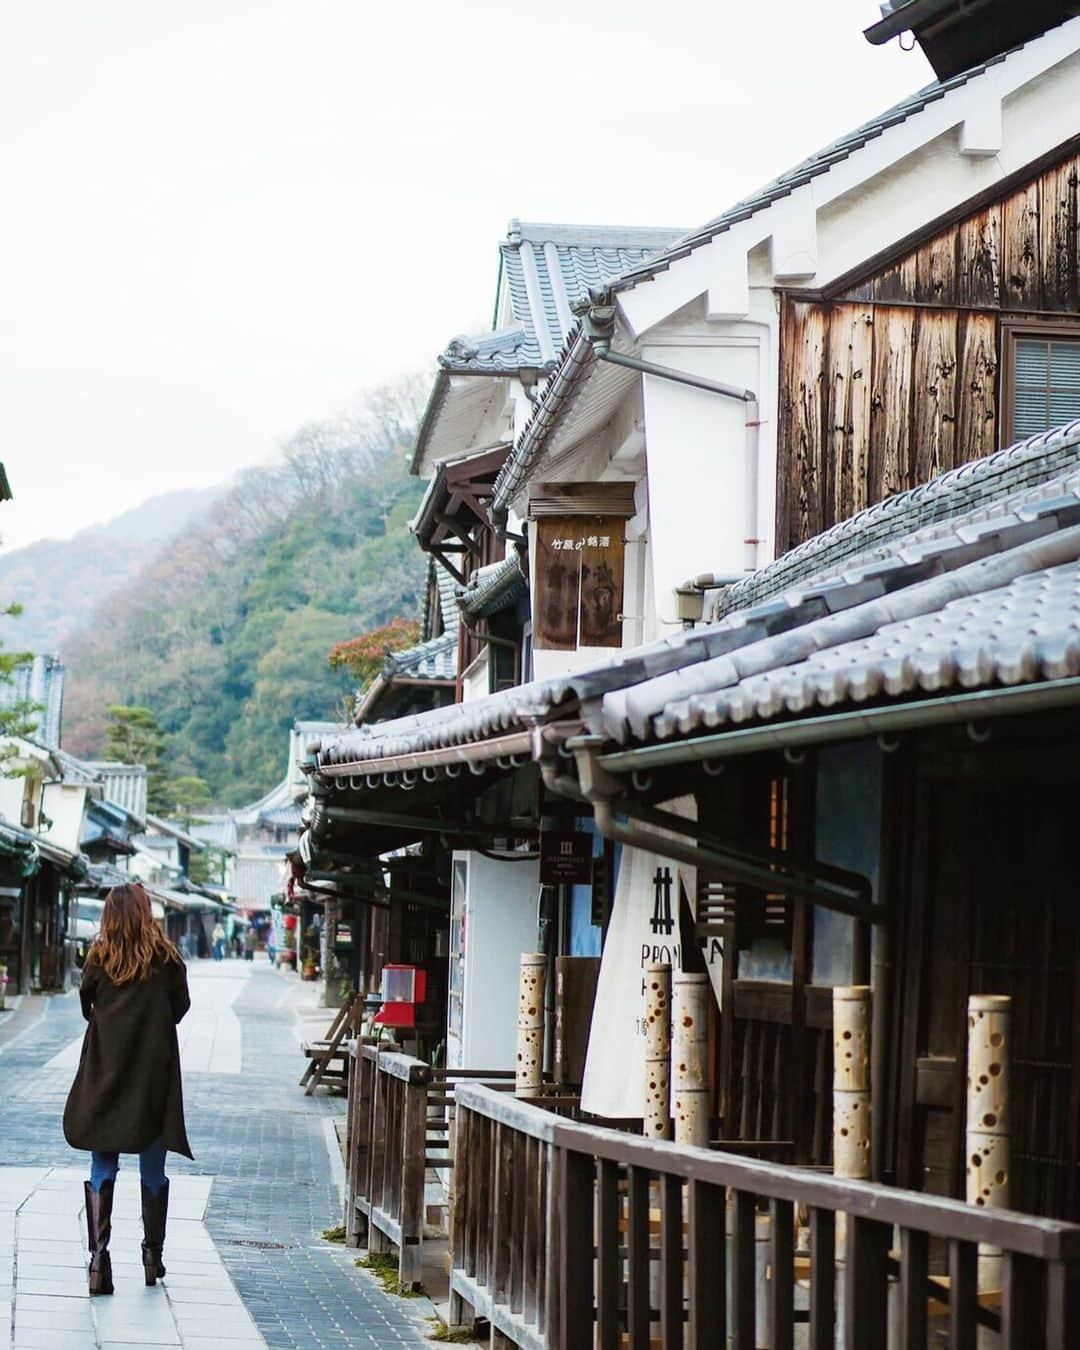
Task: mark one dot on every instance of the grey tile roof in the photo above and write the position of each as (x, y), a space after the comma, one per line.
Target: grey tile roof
(1018, 497)
(1024, 631)
(804, 172)
(492, 589)
(447, 589)
(282, 817)
(621, 698)
(456, 724)
(991, 484)
(435, 659)
(548, 270)
(506, 350)
(562, 387)
(440, 601)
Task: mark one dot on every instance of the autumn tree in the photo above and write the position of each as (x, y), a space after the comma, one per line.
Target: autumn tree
(363, 657)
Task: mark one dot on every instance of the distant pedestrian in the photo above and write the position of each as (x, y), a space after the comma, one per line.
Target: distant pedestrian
(219, 941)
(127, 1096)
(251, 941)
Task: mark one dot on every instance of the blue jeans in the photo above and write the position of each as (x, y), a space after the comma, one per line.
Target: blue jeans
(104, 1167)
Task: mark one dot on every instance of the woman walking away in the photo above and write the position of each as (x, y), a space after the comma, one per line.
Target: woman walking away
(127, 1096)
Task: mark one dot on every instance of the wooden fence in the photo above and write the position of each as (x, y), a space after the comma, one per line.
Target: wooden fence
(567, 1235)
(400, 1124)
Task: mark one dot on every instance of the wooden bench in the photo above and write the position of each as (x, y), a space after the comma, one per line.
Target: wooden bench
(328, 1060)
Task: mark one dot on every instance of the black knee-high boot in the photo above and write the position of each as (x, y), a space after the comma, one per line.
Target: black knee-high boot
(155, 1209)
(99, 1230)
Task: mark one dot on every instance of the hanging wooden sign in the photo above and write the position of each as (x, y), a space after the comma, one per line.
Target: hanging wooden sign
(579, 582)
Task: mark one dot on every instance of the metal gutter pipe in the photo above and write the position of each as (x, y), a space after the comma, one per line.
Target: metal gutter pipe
(845, 892)
(604, 353)
(733, 869)
(972, 706)
(601, 326)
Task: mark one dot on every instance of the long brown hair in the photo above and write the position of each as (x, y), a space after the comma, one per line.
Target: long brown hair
(129, 941)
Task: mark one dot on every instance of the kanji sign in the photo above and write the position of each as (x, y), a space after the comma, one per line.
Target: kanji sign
(579, 582)
(565, 858)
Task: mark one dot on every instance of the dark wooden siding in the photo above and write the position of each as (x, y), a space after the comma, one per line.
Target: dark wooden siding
(895, 379)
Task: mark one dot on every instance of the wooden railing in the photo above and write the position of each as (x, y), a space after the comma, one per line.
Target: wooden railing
(400, 1125)
(386, 1156)
(567, 1235)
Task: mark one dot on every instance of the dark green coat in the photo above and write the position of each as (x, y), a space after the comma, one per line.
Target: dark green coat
(127, 1090)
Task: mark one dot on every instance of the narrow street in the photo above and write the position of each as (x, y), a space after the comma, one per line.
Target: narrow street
(247, 1265)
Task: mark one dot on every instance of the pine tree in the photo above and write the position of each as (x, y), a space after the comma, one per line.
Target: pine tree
(134, 737)
(18, 717)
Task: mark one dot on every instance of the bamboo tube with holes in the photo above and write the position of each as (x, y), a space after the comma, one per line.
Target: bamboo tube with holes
(529, 1076)
(689, 1058)
(988, 1143)
(851, 1081)
(851, 1105)
(656, 1122)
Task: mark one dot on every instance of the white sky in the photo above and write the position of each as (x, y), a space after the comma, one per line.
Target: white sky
(221, 218)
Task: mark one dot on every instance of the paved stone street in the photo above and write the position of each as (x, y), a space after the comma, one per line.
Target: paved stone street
(247, 1264)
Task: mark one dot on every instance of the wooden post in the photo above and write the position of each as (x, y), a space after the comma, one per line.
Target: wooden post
(530, 1024)
(988, 1143)
(689, 1058)
(657, 1113)
(330, 996)
(414, 1095)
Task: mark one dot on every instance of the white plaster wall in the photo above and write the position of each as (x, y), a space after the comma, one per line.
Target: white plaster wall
(11, 799)
(65, 806)
(699, 478)
(474, 682)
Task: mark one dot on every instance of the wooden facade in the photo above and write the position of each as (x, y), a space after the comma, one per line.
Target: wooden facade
(895, 376)
(973, 876)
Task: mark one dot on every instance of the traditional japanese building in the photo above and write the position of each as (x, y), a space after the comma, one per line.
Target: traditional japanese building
(798, 507)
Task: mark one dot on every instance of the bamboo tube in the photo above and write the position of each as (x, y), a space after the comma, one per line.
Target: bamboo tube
(529, 1075)
(988, 1141)
(851, 1109)
(689, 1058)
(851, 1081)
(657, 1114)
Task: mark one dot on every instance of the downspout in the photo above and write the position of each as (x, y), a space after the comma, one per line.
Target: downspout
(599, 327)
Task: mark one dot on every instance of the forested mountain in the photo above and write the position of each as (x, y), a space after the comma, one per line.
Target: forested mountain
(59, 581)
(225, 635)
